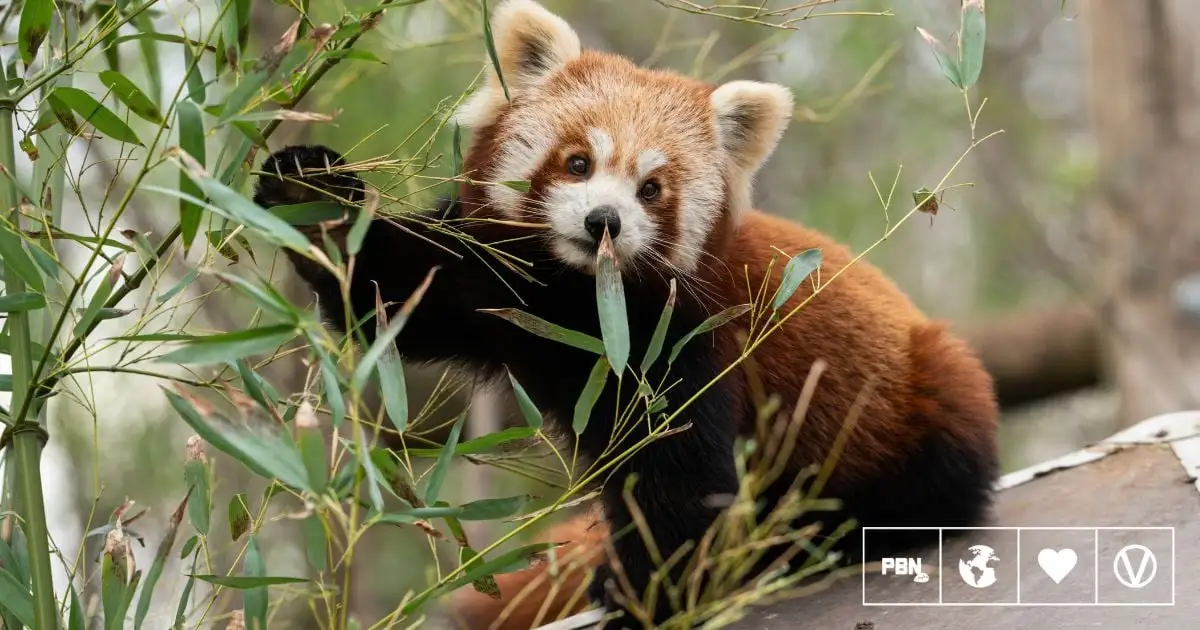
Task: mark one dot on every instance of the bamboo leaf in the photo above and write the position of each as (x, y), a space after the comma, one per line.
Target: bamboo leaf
(133, 98)
(191, 141)
(654, 349)
(533, 417)
(490, 42)
(386, 338)
(247, 582)
(33, 29)
(481, 444)
(716, 321)
(972, 37)
(546, 330)
(512, 560)
(231, 205)
(254, 599)
(309, 213)
(945, 60)
(160, 560)
(315, 542)
(16, 598)
(312, 446)
(799, 267)
(25, 301)
(590, 394)
(107, 283)
(231, 346)
(96, 114)
(12, 252)
(443, 463)
(197, 475)
(610, 302)
(266, 454)
(239, 515)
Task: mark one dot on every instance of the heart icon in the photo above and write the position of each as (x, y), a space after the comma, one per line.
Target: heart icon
(1057, 564)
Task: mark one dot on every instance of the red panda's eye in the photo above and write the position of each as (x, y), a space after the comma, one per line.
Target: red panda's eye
(577, 165)
(649, 191)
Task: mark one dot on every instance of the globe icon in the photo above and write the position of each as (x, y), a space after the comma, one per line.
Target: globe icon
(976, 569)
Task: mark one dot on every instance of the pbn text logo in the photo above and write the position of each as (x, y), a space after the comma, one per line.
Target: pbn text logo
(905, 566)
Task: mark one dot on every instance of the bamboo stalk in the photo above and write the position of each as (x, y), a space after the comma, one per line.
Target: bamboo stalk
(27, 436)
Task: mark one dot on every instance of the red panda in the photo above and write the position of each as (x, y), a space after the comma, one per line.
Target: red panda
(665, 164)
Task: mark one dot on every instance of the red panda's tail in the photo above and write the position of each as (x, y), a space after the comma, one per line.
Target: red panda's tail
(544, 592)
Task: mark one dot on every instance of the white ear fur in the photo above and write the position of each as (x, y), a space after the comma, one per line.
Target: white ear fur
(531, 44)
(751, 118)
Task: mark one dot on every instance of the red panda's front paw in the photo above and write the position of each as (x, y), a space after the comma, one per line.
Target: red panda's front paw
(300, 174)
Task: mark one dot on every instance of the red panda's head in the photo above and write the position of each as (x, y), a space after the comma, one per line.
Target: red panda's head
(664, 161)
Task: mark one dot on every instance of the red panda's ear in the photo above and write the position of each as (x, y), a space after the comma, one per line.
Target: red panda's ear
(751, 118)
(531, 44)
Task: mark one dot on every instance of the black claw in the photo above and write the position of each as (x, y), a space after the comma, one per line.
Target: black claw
(273, 187)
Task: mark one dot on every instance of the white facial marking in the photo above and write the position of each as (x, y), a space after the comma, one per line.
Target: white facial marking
(649, 160)
(569, 205)
(602, 146)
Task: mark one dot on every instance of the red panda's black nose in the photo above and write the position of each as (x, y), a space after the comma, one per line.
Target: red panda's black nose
(595, 221)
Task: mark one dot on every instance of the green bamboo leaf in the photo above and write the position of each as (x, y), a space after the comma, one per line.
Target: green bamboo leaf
(255, 386)
(972, 37)
(189, 545)
(329, 381)
(195, 80)
(197, 475)
(19, 302)
(944, 58)
(519, 185)
(254, 599)
(15, 598)
(231, 346)
(654, 349)
(263, 294)
(239, 515)
(546, 330)
(133, 98)
(33, 29)
(108, 282)
(590, 394)
(481, 444)
(799, 267)
(493, 509)
(247, 582)
(716, 321)
(267, 454)
(315, 542)
(231, 205)
(374, 477)
(533, 417)
(191, 141)
(309, 213)
(183, 283)
(443, 463)
(490, 43)
(386, 338)
(160, 560)
(358, 231)
(96, 114)
(512, 560)
(149, 49)
(185, 597)
(75, 618)
(12, 252)
(312, 447)
(610, 302)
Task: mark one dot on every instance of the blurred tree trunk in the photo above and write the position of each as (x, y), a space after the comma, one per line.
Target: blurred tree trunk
(1145, 109)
